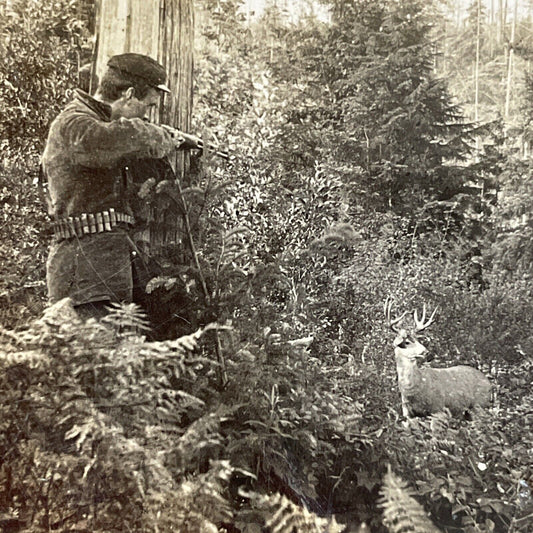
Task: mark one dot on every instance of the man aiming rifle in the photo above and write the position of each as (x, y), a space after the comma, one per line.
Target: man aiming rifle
(91, 149)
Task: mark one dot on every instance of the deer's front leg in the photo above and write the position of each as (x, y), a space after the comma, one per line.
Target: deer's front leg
(405, 409)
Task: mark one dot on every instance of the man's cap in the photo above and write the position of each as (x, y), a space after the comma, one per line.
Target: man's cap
(135, 67)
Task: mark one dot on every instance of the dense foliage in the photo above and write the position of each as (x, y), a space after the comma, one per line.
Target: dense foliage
(354, 178)
(43, 45)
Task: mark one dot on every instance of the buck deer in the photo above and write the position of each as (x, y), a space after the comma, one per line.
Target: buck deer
(429, 390)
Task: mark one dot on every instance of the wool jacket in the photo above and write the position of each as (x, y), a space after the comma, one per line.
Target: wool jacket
(87, 164)
(87, 154)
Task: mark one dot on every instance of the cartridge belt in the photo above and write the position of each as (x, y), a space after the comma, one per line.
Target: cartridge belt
(89, 223)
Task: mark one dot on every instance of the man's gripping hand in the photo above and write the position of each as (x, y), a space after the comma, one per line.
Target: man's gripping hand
(176, 135)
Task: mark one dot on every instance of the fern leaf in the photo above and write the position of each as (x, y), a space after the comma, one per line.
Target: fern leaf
(126, 318)
(202, 433)
(229, 237)
(283, 516)
(401, 512)
(197, 506)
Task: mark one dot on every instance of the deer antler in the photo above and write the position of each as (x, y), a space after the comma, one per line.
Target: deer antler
(422, 323)
(387, 308)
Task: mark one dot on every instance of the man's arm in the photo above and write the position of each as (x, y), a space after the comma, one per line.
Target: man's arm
(95, 143)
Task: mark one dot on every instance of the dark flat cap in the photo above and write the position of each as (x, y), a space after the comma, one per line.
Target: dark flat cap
(137, 66)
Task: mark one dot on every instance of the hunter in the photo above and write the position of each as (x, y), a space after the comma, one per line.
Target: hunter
(90, 154)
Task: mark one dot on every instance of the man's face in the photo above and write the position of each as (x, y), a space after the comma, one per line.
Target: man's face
(129, 106)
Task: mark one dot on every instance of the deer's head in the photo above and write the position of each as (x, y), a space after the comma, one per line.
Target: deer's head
(405, 343)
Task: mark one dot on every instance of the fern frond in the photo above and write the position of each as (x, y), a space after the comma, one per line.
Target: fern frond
(96, 435)
(283, 516)
(401, 512)
(127, 319)
(159, 350)
(60, 327)
(201, 432)
(233, 235)
(197, 506)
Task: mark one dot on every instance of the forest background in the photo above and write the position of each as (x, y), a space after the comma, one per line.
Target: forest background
(380, 151)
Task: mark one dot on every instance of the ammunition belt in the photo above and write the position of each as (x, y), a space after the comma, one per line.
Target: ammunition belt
(89, 223)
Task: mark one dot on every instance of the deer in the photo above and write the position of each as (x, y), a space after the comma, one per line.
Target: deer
(425, 391)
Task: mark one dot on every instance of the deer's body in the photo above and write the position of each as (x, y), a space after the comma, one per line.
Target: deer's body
(425, 391)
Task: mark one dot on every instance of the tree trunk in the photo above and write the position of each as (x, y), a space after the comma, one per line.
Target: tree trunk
(510, 63)
(503, 19)
(492, 17)
(163, 30)
(499, 31)
(176, 45)
(476, 69)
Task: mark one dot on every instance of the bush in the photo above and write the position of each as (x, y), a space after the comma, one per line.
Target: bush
(24, 235)
(43, 44)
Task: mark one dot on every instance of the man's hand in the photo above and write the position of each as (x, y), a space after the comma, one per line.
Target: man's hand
(177, 136)
(190, 141)
(185, 141)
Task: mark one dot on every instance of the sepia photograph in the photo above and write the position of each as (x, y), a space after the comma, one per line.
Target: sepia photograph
(266, 266)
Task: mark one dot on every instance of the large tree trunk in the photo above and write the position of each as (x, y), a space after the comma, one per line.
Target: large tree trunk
(163, 30)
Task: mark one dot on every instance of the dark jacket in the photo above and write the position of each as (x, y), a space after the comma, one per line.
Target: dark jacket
(86, 164)
(87, 154)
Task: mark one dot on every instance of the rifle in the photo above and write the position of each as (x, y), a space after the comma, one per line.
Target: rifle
(191, 141)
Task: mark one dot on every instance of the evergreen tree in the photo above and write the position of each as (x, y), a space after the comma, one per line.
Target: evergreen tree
(378, 113)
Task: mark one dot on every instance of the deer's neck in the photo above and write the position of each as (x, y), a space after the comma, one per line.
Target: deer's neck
(408, 372)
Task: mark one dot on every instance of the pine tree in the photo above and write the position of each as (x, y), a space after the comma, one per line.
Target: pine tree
(377, 112)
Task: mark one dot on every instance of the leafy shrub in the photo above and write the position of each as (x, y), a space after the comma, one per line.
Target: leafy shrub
(43, 44)
(23, 237)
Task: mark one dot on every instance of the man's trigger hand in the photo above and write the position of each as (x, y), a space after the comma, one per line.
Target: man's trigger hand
(176, 135)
